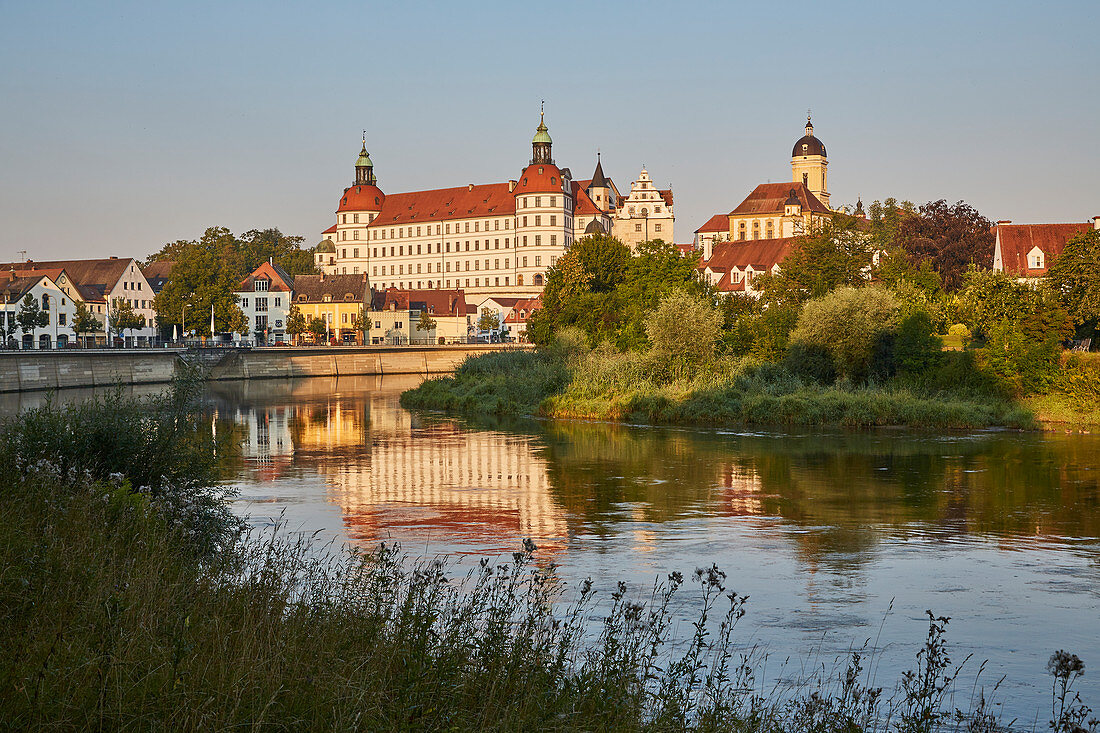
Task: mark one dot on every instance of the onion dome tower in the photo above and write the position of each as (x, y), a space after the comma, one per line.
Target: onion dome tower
(541, 143)
(810, 165)
(364, 168)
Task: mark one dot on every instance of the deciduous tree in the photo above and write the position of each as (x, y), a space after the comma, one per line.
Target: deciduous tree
(84, 322)
(951, 238)
(1075, 276)
(296, 323)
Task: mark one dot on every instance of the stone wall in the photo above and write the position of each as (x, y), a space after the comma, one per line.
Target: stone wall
(39, 370)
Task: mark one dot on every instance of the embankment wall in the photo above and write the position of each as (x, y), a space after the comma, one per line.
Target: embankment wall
(40, 370)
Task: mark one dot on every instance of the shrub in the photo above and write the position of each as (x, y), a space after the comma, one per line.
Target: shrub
(848, 323)
(960, 330)
(683, 330)
(916, 347)
(810, 362)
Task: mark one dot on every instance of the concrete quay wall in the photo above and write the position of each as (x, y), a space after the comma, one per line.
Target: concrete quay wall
(22, 371)
(284, 363)
(25, 371)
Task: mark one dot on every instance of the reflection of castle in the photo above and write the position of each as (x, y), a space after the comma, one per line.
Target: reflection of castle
(392, 476)
(466, 483)
(740, 488)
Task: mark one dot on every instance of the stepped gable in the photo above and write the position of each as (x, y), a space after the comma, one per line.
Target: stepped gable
(339, 288)
(717, 223)
(770, 198)
(461, 202)
(1017, 240)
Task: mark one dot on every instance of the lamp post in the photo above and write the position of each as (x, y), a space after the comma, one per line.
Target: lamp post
(183, 322)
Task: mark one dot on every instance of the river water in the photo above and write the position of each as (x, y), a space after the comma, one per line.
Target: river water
(839, 538)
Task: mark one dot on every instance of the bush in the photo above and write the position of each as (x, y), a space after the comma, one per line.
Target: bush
(959, 330)
(848, 323)
(916, 347)
(683, 330)
(810, 362)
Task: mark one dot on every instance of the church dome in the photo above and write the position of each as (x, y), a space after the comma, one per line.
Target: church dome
(808, 145)
(540, 178)
(362, 198)
(325, 246)
(594, 227)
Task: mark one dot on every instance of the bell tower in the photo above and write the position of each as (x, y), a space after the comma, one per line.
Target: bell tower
(810, 165)
(540, 143)
(364, 168)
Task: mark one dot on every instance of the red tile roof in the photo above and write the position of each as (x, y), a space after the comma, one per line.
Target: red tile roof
(330, 230)
(666, 194)
(462, 202)
(527, 307)
(770, 198)
(362, 198)
(436, 302)
(717, 223)
(1016, 240)
(95, 278)
(280, 281)
(584, 205)
(540, 178)
(762, 254)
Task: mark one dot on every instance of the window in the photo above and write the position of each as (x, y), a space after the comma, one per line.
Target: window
(525, 221)
(278, 302)
(355, 252)
(345, 220)
(244, 302)
(656, 227)
(538, 261)
(553, 220)
(260, 285)
(553, 201)
(355, 234)
(538, 240)
(261, 305)
(525, 262)
(538, 201)
(553, 239)
(538, 220)
(637, 227)
(354, 218)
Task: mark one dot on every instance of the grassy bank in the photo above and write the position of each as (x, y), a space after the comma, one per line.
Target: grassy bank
(132, 599)
(603, 384)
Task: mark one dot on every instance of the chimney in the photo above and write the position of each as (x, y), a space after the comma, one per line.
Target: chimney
(322, 275)
(470, 186)
(512, 186)
(271, 260)
(113, 257)
(1004, 221)
(1096, 222)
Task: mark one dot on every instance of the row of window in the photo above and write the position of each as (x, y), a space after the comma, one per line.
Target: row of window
(656, 227)
(439, 247)
(261, 303)
(645, 212)
(478, 282)
(769, 230)
(459, 266)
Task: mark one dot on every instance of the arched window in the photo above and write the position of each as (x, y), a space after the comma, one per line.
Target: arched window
(45, 302)
(519, 279)
(741, 231)
(538, 279)
(756, 229)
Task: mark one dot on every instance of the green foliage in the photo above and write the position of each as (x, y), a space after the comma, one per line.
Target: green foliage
(122, 317)
(84, 322)
(811, 363)
(1075, 276)
(599, 287)
(838, 254)
(209, 270)
(960, 330)
(1079, 380)
(31, 316)
(296, 322)
(950, 238)
(683, 331)
(426, 322)
(848, 323)
(489, 320)
(318, 328)
(917, 349)
(886, 217)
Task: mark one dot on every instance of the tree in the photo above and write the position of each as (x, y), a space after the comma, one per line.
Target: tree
(319, 329)
(361, 324)
(296, 323)
(31, 315)
(84, 322)
(683, 331)
(426, 322)
(489, 320)
(951, 238)
(1075, 277)
(848, 323)
(837, 254)
(123, 318)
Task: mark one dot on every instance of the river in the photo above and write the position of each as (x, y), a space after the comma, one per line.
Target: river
(839, 538)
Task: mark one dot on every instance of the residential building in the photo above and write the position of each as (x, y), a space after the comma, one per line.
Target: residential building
(716, 229)
(522, 311)
(395, 316)
(265, 299)
(733, 266)
(100, 283)
(1027, 250)
(158, 273)
(50, 298)
(335, 299)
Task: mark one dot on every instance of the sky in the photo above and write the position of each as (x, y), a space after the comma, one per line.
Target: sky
(126, 125)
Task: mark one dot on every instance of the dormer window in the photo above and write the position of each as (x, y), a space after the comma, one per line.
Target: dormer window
(348, 297)
(1035, 258)
(302, 298)
(326, 298)
(260, 285)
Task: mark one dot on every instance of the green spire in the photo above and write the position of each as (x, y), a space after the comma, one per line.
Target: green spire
(541, 134)
(364, 157)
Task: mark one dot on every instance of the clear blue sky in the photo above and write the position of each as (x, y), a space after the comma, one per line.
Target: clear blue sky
(127, 125)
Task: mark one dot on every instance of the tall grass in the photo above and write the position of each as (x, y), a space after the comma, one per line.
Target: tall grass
(112, 621)
(641, 387)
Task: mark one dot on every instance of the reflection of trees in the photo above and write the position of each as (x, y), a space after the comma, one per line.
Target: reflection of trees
(851, 489)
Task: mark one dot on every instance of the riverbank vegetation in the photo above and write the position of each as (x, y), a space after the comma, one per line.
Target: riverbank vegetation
(854, 330)
(133, 599)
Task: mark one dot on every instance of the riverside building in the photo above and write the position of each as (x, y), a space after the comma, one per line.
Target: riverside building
(486, 239)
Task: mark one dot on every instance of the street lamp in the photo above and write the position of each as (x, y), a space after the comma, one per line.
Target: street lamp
(183, 322)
